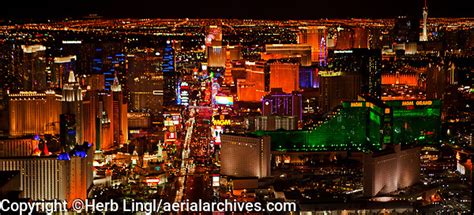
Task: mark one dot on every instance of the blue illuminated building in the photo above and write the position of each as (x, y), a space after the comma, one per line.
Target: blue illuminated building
(169, 75)
(109, 63)
(308, 77)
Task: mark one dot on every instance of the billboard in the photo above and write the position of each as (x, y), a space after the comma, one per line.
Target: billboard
(215, 180)
(224, 100)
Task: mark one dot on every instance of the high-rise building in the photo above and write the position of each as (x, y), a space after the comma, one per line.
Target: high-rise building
(350, 38)
(17, 147)
(34, 112)
(278, 51)
(59, 177)
(145, 83)
(73, 107)
(82, 50)
(364, 62)
(344, 38)
(169, 75)
(59, 71)
(120, 121)
(366, 125)
(216, 56)
(234, 52)
(109, 59)
(33, 67)
(361, 38)
(106, 113)
(424, 34)
(316, 37)
(253, 87)
(386, 172)
(102, 111)
(285, 76)
(436, 80)
(106, 122)
(91, 116)
(308, 77)
(115, 67)
(245, 156)
(335, 88)
(282, 104)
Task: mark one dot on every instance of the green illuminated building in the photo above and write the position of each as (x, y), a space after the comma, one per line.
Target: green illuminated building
(364, 126)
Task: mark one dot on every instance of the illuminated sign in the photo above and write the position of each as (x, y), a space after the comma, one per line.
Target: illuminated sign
(168, 122)
(221, 122)
(170, 136)
(407, 103)
(72, 42)
(343, 52)
(184, 95)
(184, 85)
(175, 118)
(224, 100)
(422, 103)
(357, 104)
(249, 63)
(330, 73)
(215, 181)
(153, 180)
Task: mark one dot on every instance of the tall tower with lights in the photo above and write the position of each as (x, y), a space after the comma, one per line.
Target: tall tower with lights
(424, 35)
(71, 120)
(169, 74)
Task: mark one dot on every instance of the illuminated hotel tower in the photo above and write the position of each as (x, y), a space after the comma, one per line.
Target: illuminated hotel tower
(72, 104)
(33, 113)
(424, 35)
(316, 37)
(169, 74)
(284, 76)
(33, 67)
(120, 121)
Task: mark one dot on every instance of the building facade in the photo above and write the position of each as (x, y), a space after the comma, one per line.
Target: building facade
(33, 112)
(245, 156)
(387, 172)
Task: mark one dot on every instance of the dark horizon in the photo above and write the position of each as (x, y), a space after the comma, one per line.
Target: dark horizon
(244, 9)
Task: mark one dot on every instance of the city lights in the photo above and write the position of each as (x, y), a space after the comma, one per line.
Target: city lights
(288, 108)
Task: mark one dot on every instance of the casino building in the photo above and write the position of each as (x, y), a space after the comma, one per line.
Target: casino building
(389, 170)
(365, 125)
(33, 112)
(46, 176)
(245, 156)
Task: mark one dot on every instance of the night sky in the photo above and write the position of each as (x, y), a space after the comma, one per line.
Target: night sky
(256, 9)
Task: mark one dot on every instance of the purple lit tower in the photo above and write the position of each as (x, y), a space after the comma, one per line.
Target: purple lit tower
(282, 104)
